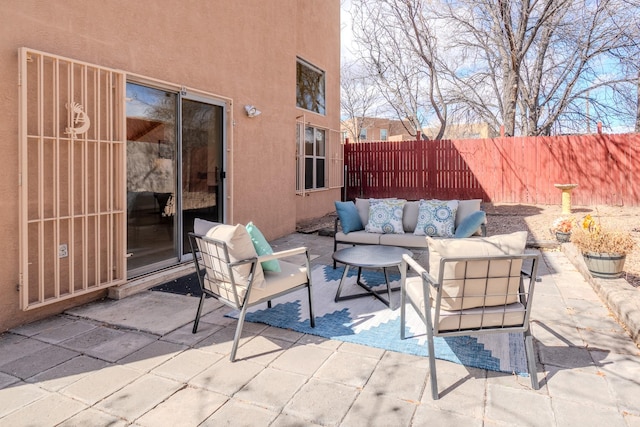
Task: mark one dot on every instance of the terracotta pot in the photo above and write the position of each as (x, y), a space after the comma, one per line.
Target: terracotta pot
(604, 265)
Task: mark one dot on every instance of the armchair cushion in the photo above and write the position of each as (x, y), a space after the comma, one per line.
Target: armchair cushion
(477, 317)
(240, 248)
(349, 217)
(464, 282)
(436, 218)
(201, 226)
(470, 225)
(262, 247)
(289, 276)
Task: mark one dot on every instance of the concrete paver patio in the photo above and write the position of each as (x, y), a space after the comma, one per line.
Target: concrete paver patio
(135, 362)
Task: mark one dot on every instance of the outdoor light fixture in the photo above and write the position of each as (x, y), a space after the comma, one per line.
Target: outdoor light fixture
(252, 111)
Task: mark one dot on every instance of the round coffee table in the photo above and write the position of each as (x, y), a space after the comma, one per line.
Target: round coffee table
(373, 256)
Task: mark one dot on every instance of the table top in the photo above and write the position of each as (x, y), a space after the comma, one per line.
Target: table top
(371, 256)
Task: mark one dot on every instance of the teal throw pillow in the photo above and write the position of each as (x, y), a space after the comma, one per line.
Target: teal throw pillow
(262, 248)
(349, 217)
(470, 224)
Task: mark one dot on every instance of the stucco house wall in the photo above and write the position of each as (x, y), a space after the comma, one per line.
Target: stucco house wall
(242, 50)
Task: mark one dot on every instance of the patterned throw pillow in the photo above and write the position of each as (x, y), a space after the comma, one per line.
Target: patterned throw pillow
(385, 216)
(436, 218)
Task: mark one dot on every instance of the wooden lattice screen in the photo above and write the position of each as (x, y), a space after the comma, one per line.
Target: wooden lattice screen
(72, 171)
(335, 155)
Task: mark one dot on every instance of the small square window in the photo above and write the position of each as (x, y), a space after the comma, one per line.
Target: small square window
(310, 87)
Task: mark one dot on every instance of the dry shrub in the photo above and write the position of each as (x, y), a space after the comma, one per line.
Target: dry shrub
(593, 237)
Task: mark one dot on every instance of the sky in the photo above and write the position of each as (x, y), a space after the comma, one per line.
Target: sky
(346, 55)
(346, 37)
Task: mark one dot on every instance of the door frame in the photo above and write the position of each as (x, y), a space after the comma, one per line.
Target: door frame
(185, 95)
(182, 92)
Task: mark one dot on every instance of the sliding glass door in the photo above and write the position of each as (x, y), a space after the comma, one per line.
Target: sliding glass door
(174, 173)
(202, 172)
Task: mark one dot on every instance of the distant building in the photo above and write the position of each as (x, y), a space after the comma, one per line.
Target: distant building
(379, 129)
(375, 129)
(461, 131)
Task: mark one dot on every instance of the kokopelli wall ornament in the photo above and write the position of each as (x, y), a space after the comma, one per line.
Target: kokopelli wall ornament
(79, 117)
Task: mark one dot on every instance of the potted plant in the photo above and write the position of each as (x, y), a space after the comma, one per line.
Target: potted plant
(604, 250)
(562, 229)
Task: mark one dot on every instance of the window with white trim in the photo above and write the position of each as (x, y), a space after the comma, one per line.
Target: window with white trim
(311, 159)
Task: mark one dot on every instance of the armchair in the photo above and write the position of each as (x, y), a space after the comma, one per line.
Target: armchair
(472, 296)
(239, 281)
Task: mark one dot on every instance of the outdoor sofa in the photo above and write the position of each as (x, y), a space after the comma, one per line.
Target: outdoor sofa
(398, 222)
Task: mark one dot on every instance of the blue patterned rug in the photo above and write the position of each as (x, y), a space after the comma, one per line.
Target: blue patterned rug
(369, 322)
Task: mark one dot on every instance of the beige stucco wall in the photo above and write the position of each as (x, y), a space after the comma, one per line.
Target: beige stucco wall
(242, 50)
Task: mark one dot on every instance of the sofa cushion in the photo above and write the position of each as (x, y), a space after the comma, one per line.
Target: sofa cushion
(436, 218)
(407, 240)
(361, 237)
(470, 225)
(471, 276)
(362, 206)
(262, 247)
(410, 216)
(466, 208)
(385, 216)
(349, 217)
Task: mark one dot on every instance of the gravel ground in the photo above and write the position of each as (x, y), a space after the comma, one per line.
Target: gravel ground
(537, 220)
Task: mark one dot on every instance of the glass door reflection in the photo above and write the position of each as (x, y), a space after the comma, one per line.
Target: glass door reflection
(151, 178)
(202, 172)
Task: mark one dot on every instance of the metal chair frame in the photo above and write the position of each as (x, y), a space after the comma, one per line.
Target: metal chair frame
(214, 266)
(431, 315)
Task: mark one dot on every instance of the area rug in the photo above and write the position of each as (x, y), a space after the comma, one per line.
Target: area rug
(369, 322)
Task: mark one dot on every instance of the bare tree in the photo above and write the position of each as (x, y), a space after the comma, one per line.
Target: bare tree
(399, 47)
(498, 36)
(575, 76)
(638, 105)
(532, 66)
(626, 94)
(359, 99)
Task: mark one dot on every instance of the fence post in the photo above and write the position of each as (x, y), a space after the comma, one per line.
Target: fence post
(432, 165)
(344, 183)
(419, 154)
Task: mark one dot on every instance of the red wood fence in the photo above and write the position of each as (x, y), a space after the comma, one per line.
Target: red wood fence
(500, 170)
